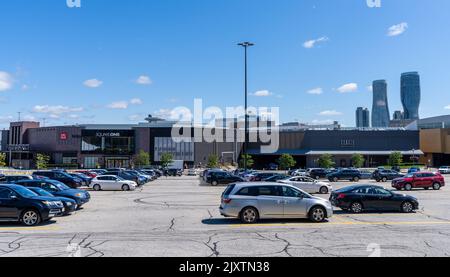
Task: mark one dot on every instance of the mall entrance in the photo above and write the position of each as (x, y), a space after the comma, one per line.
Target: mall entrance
(118, 162)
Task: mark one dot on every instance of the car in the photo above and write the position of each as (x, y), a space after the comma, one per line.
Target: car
(173, 172)
(85, 180)
(111, 182)
(153, 173)
(251, 202)
(20, 204)
(10, 179)
(150, 175)
(88, 173)
(273, 166)
(61, 176)
(308, 184)
(413, 170)
(424, 180)
(366, 174)
(299, 172)
(358, 199)
(345, 174)
(257, 177)
(192, 172)
(98, 171)
(444, 170)
(222, 178)
(142, 178)
(276, 178)
(207, 172)
(386, 175)
(124, 175)
(70, 205)
(59, 189)
(317, 173)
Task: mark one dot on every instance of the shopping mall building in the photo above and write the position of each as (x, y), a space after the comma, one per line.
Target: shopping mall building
(110, 146)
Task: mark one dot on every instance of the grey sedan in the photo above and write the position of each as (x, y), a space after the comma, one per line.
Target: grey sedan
(251, 202)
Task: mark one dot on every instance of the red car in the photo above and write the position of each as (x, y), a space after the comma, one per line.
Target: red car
(423, 180)
(90, 174)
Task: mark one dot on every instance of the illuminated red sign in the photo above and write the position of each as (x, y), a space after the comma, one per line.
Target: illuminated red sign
(63, 136)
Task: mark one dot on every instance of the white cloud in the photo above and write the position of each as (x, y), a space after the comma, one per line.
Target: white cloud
(398, 29)
(119, 105)
(6, 119)
(136, 101)
(135, 117)
(315, 91)
(370, 88)
(351, 87)
(6, 81)
(178, 114)
(312, 43)
(56, 110)
(144, 80)
(93, 83)
(330, 113)
(262, 93)
(447, 108)
(322, 122)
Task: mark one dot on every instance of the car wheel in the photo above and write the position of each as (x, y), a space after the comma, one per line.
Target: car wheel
(356, 207)
(214, 183)
(30, 218)
(384, 180)
(408, 187)
(249, 215)
(323, 190)
(97, 187)
(335, 179)
(436, 186)
(317, 214)
(356, 179)
(378, 180)
(125, 187)
(407, 207)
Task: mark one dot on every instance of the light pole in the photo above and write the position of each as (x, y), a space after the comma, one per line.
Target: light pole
(246, 45)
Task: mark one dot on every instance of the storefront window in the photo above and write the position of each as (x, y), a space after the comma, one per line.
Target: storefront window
(110, 142)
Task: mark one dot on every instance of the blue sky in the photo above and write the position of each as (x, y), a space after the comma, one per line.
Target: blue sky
(116, 61)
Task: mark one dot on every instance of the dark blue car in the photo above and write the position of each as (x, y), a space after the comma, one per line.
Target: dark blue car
(70, 205)
(18, 203)
(59, 189)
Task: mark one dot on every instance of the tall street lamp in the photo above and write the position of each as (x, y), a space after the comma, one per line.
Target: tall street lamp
(246, 45)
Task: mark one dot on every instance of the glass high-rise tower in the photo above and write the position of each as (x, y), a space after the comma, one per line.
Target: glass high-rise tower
(380, 108)
(362, 117)
(410, 94)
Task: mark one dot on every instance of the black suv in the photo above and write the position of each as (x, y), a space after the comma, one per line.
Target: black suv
(221, 177)
(345, 174)
(13, 179)
(386, 175)
(63, 177)
(318, 173)
(20, 204)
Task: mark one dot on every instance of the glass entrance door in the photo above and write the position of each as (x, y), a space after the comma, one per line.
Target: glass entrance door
(117, 163)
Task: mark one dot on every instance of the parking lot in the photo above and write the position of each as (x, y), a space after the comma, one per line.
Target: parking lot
(180, 217)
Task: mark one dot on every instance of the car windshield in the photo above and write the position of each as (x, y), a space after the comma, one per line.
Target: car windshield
(119, 178)
(42, 192)
(409, 175)
(25, 192)
(60, 185)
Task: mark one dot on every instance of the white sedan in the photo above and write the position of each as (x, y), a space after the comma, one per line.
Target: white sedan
(110, 182)
(308, 184)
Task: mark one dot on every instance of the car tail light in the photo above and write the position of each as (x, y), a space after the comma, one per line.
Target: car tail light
(226, 201)
(341, 196)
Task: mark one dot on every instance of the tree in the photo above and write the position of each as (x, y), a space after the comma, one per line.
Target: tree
(213, 161)
(2, 159)
(142, 159)
(395, 159)
(358, 160)
(250, 161)
(326, 161)
(166, 160)
(286, 162)
(42, 161)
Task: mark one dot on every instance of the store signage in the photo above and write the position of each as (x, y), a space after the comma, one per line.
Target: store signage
(107, 134)
(64, 136)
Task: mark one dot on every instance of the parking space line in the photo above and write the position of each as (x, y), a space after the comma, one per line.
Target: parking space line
(12, 229)
(343, 223)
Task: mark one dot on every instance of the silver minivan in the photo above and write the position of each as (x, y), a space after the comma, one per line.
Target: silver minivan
(251, 202)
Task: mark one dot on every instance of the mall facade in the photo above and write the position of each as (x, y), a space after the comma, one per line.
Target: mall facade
(112, 146)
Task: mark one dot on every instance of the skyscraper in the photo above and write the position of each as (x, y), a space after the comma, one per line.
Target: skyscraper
(362, 117)
(380, 109)
(410, 94)
(398, 115)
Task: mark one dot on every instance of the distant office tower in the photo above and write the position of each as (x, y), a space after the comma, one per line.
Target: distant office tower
(380, 110)
(398, 115)
(362, 117)
(410, 93)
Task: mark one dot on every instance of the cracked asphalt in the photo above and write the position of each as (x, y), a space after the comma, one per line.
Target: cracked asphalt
(178, 217)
